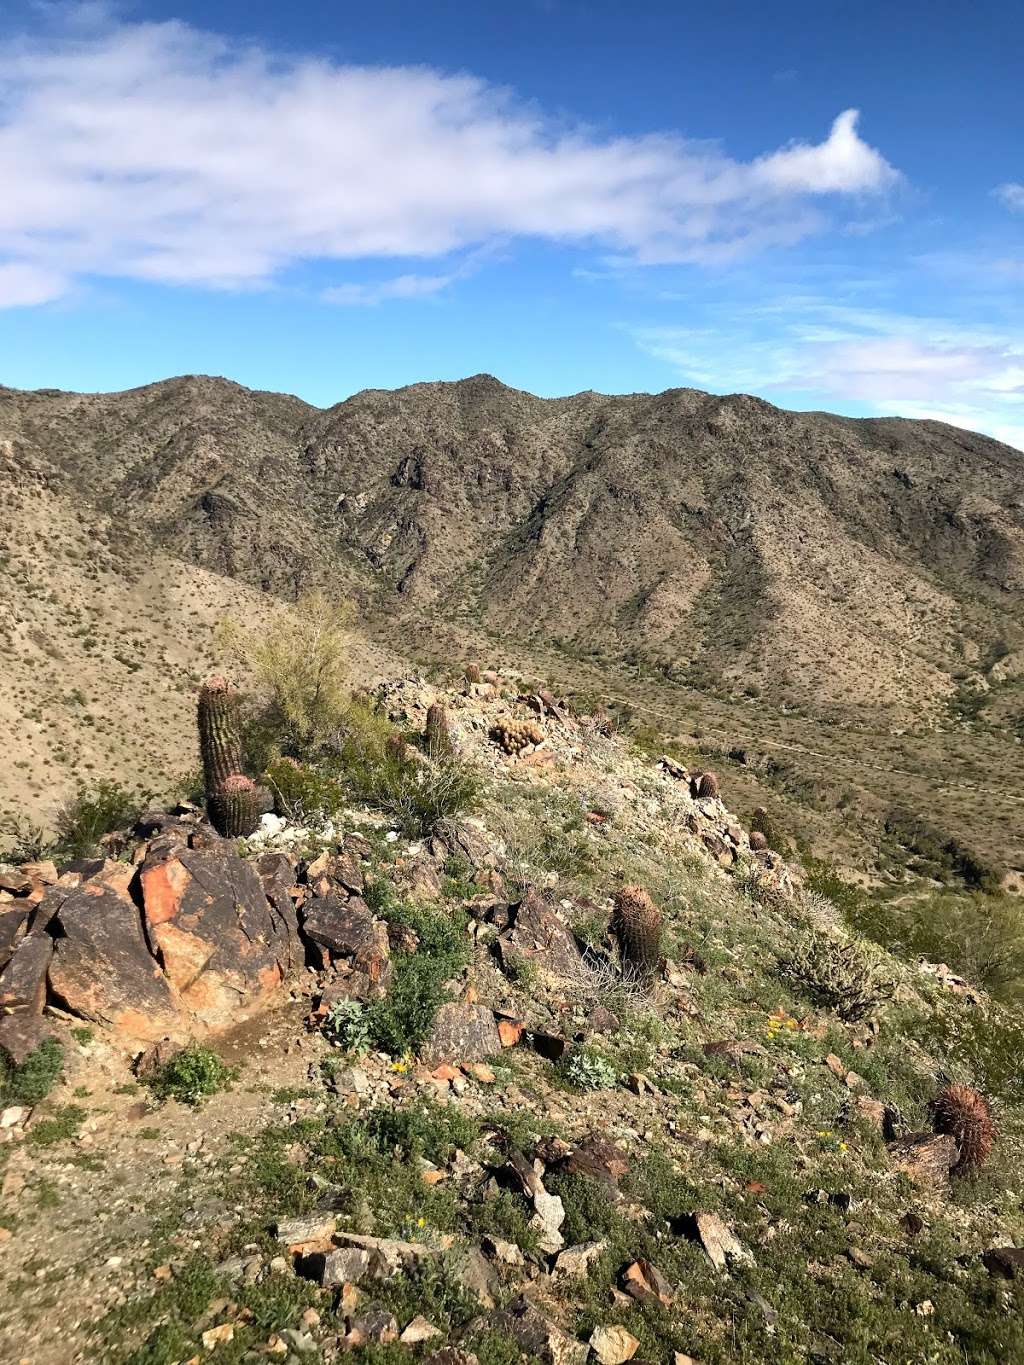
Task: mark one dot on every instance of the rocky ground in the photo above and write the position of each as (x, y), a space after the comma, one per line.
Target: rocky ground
(457, 1130)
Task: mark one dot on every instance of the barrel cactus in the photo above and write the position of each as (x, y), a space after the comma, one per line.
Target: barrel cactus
(220, 742)
(637, 925)
(235, 807)
(708, 786)
(473, 673)
(438, 732)
(964, 1113)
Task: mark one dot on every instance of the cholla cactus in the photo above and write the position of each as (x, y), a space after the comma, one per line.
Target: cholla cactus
(234, 808)
(708, 785)
(438, 732)
(219, 740)
(516, 735)
(849, 977)
(964, 1113)
(637, 926)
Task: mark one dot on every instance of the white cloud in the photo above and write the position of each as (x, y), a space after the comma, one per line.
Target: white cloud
(837, 355)
(1012, 195)
(160, 152)
(401, 287)
(23, 284)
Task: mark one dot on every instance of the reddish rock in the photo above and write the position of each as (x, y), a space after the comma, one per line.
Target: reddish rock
(102, 968)
(21, 1034)
(13, 920)
(347, 928)
(23, 980)
(224, 947)
(461, 1033)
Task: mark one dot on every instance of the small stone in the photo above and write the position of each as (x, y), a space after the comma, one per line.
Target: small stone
(505, 1253)
(217, 1336)
(613, 1345)
(303, 1232)
(859, 1258)
(835, 1065)
(377, 1325)
(1005, 1262)
(577, 1260)
(645, 1283)
(418, 1330)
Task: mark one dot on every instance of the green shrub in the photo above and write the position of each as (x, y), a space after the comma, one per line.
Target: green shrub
(402, 1021)
(847, 977)
(26, 841)
(190, 1076)
(418, 793)
(303, 793)
(347, 1025)
(589, 1069)
(34, 1078)
(83, 821)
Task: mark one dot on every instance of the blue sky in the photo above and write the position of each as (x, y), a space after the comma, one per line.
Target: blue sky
(820, 203)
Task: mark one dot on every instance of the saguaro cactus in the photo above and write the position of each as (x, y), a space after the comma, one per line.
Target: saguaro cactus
(637, 926)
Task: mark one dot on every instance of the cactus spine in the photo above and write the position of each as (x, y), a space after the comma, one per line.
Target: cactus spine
(964, 1113)
(234, 808)
(637, 926)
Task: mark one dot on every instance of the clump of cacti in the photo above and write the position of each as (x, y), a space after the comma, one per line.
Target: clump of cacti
(220, 742)
(235, 807)
(234, 803)
(516, 735)
(963, 1113)
(707, 785)
(438, 733)
(637, 925)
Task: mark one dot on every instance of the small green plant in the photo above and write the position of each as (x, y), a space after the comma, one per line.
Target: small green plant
(190, 1076)
(303, 793)
(849, 977)
(83, 821)
(62, 1126)
(34, 1078)
(346, 1024)
(589, 1069)
(26, 841)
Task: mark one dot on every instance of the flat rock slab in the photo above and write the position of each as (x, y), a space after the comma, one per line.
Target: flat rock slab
(224, 948)
(13, 920)
(21, 1034)
(102, 968)
(23, 980)
(461, 1033)
(347, 928)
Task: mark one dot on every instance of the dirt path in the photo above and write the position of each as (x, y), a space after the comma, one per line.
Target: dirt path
(89, 1214)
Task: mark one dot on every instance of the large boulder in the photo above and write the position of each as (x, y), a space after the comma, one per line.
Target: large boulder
(461, 1032)
(23, 980)
(225, 948)
(102, 968)
(537, 934)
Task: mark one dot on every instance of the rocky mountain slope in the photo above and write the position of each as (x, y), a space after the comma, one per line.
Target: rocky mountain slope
(578, 1074)
(792, 577)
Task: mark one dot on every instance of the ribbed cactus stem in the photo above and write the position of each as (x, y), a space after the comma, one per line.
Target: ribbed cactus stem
(637, 926)
(438, 732)
(220, 743)
(234, 809)
(964, 1113)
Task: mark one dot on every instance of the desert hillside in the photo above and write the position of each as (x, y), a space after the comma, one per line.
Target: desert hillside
(802, 589)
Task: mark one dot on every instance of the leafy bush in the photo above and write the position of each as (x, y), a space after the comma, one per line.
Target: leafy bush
(418, 793)
(346, 1024)
(402, 1021)
(34, 1078)
(981, 937)
(589, 1069)
(299, 667)
(86, 818)
(26, 841)
(431, 1130)
(303, 793)
(847, 977)
(190, 1076)
(934, 853)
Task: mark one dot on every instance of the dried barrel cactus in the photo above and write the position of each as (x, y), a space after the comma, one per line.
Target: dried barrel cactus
(473, 673)
(234, 808)
(964, 1114)
(637, 926)
(516, 735)
(757, 841)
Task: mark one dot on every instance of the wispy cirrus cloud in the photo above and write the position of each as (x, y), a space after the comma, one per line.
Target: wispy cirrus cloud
(1012, 195)
(828, 353)
(159, 152)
